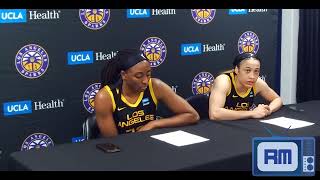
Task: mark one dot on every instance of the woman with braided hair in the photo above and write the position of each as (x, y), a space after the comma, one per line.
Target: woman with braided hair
(128, 97)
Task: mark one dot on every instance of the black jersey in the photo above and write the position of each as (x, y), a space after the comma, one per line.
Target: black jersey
(130, 117)
(236, 101)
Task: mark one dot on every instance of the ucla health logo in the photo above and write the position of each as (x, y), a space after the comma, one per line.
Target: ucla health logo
(191, 49)
(155, 50)
(13, 16)
(32, 61)
(203, 16)
(147, 13)
(36, 141)
(248, 42)
(238, 11)
(138, 13)
(199, 48)
(88, 96)
(80, 57)
(25, 107)
(94, 19)
(201, 83)
(283, 156)
(18, 107)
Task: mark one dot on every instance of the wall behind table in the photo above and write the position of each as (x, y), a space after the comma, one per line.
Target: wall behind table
(44, 98)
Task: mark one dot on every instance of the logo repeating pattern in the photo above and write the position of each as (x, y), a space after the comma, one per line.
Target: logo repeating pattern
(32, 61)
(88, 96)
(155, 50)
(201, 83)
(94, 19)
(248, 42)
(36, 141)
(203, 16)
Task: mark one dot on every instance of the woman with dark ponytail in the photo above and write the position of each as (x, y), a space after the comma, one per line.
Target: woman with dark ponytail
(128, 97)
(232, 94)
(110, 72)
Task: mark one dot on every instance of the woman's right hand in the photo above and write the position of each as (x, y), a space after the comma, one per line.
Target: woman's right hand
(261, 111)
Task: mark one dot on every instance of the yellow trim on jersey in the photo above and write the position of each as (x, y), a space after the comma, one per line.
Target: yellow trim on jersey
(152, 93)
(107, 88)
(234, 84)
(254, 89)
(136, 103)
(229, 86)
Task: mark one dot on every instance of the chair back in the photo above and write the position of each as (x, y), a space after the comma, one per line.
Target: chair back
(90, 129)
(200, 103)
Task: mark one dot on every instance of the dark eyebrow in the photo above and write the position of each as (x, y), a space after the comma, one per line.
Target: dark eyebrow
(138, 73)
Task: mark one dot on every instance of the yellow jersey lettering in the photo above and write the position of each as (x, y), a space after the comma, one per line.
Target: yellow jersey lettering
(136, 120)
(122, 124)
(149, 117)
(135, 114)
(239, 107)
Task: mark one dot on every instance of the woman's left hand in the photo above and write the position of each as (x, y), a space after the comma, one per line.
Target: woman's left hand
(147, 127)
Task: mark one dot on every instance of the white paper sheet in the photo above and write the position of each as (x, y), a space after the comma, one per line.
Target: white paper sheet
(179, 138)
(287, 123)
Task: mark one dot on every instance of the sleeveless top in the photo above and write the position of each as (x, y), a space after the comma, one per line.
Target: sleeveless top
(235, 101)
(130, 117)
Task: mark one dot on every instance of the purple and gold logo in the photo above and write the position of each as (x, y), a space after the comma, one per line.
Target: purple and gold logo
(248, 42)
(88, 96)
(32, 61)
(94, 19)
(203, 16)
(155, 50)
(36, 141)
(201, 83)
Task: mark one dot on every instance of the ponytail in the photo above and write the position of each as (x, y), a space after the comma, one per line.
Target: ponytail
(110, 73)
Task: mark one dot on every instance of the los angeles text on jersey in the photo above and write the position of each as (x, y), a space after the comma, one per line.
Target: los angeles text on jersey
(239, 107)
(136, 117)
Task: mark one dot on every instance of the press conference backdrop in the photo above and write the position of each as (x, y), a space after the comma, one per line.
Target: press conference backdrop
(51, 60)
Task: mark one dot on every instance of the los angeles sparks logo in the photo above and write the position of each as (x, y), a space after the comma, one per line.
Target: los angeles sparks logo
(203, 16)
(88, 96)
(94, 19)
(32, 61)
(36, 140)
(201, 83)
(248, 42)
(155, 50)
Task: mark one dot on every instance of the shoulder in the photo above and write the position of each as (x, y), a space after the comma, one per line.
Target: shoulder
(222, 80)
(160, 88)
(104, 100)
(222, 77)
(221, 83)
(103, 94)
(156, 82)
(260, 85)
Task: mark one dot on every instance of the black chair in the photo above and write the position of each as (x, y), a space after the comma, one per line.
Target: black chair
(90, 129)
(200, 103)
